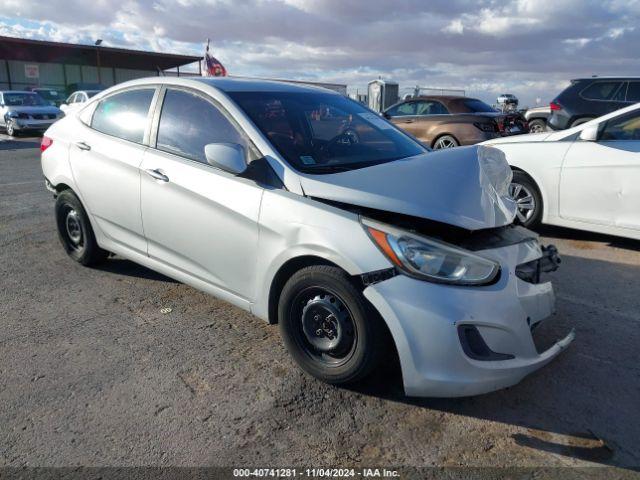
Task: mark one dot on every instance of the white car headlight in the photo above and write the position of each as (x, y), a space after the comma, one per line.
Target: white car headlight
(430, 259)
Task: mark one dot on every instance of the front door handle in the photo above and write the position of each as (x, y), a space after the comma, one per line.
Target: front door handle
(157, 174)
(83, 146)
(409, 121)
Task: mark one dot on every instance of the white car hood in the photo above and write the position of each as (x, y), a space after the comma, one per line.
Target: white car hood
(466, 187)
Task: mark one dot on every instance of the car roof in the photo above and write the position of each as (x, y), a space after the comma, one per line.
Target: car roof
(230, 84)
(446, 98)
(629, 77)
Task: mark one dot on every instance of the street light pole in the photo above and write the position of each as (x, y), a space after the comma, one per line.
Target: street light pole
(98, 43)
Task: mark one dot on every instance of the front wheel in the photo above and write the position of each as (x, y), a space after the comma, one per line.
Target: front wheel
(446, 141)
(328, 327)
(75, 232)
(11, 128)
(528, 199)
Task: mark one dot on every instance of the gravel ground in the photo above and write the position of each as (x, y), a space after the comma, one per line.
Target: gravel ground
(92, 372)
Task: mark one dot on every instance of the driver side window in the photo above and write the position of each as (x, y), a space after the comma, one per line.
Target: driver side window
(623, 128)
(188, 122)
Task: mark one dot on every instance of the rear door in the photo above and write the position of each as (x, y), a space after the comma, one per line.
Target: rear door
(105, 159)
(604, 96)
(600, 181)
(197, 218)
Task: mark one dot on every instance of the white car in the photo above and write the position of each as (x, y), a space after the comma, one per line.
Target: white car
(77, 100)
(309, 210)
(587, 177)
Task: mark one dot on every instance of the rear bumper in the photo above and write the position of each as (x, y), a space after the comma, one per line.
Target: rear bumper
(558, 121)
(424, 318)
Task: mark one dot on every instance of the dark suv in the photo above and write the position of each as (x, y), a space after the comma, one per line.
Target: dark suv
(588, 98)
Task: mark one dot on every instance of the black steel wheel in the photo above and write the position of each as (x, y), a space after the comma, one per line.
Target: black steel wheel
(328, 326)
(75, 232)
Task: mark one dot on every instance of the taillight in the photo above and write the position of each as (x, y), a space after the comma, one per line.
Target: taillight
(555, 106)
(45, 143)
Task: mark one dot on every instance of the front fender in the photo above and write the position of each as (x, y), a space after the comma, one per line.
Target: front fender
(293, 226)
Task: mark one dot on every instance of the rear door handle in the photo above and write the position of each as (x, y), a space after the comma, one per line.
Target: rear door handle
(157, 174)
(83, 146)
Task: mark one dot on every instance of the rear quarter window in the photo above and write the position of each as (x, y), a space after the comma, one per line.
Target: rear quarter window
(601, 90)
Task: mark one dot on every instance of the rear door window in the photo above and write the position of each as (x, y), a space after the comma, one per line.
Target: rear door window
(601, 90)
(124, 115)
(633, 92)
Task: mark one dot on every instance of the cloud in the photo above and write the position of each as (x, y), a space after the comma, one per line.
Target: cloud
(528, 47)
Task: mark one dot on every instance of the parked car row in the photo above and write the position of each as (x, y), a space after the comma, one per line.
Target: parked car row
(36, 109)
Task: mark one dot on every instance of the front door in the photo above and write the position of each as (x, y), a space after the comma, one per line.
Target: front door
(600, 181)
(197, 218)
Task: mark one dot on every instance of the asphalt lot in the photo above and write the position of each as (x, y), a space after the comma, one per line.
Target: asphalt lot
(93, 373)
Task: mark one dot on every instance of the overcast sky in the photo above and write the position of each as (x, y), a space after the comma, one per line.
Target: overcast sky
(527, 47)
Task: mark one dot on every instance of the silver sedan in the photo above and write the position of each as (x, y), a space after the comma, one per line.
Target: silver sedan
(313, 212)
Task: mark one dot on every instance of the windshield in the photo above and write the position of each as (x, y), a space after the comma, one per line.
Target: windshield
(23, 100)
(48, 94)
(325, 132)
(478, 106)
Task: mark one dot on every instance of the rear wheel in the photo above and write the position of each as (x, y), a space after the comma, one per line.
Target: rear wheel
(537, 125)
(528, 199)
(75, 232)
(328, 327)
(446, 141)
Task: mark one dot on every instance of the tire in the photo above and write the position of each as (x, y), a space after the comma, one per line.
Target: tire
(522, 187)
(10, 128)
(445, 141)
(75, 232)
(537, 125)
(580, 121)
(320, 304)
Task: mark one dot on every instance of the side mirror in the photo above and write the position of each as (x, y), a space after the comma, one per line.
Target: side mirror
(229, 157)
(590, 134)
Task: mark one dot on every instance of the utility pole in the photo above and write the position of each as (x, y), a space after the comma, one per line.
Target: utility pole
(97, 44)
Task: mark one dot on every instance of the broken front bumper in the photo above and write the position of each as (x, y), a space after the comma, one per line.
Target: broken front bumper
(446, 336)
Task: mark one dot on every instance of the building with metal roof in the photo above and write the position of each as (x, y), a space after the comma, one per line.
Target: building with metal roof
(26, 63)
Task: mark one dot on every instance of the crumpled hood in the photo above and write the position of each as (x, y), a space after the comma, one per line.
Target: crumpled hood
(466, 187)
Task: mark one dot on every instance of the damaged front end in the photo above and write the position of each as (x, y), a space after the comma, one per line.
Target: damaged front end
(466, 287)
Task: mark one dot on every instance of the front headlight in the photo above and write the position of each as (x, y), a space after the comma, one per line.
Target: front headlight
(430, 259)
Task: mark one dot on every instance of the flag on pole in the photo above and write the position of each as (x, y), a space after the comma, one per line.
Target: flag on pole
(213, 68)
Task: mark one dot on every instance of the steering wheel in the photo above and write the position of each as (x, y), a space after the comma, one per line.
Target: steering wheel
(348, 137)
